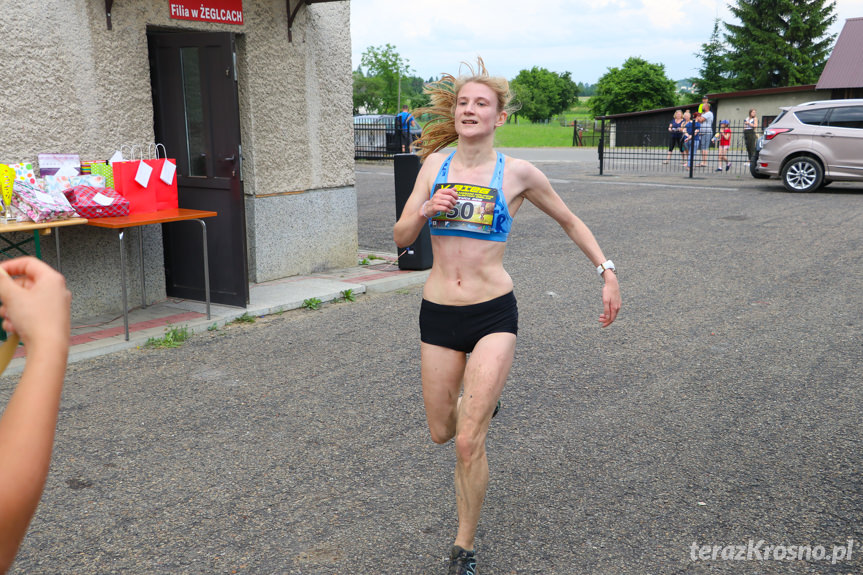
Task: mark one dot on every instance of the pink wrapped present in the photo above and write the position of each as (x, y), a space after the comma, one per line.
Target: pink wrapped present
(92, 202)
(38, 205)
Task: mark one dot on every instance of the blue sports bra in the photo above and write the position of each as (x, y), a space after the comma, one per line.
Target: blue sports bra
(502, 221)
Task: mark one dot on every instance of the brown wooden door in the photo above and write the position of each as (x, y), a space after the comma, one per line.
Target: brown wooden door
(197, 117)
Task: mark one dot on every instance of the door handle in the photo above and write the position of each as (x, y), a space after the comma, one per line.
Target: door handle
(232, 158)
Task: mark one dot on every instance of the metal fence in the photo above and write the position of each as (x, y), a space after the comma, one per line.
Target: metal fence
(646, 149)
(376, 141)
(620, 148)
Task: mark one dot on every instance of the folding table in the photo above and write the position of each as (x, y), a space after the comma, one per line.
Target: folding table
(121, 223)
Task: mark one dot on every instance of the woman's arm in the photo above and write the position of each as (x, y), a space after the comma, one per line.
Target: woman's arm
(36, 307)
(539, 192)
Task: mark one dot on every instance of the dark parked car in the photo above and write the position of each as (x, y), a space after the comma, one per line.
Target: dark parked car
(813, 144)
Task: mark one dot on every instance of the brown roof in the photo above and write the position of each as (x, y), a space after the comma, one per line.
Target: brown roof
(844, 68)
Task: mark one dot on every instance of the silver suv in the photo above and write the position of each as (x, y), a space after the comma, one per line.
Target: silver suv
(813, 144)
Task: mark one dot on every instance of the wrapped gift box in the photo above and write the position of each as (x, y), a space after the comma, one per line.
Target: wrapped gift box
(39, 205)
(92, 202)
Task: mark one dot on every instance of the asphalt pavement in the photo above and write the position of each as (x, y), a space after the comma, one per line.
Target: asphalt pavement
(713, 428)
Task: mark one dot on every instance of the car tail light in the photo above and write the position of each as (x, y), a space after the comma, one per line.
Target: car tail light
(771, 133)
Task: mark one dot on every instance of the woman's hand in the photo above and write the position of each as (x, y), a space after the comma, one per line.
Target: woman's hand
(610, 299)
(36, 303)
(443, 200)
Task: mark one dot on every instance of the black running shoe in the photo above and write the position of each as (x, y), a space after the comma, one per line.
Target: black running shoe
(496, 409)
(462, 562)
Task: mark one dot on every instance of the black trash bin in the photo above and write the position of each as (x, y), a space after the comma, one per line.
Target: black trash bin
(417, 256)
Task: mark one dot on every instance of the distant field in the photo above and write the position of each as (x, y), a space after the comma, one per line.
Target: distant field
(552, 135)
(526, 135)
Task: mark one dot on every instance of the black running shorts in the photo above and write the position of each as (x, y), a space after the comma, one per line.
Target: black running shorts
(460, 327)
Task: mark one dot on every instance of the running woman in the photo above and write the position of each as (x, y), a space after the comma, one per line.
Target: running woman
(469, 316)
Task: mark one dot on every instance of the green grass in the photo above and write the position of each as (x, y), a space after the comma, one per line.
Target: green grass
(526, 135)
(557, 133)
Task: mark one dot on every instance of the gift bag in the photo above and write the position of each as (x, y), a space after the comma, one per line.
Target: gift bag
(104, 170)
(93, 203)
(149, 185)
(132, 181)
(165, 173)
(86, 166)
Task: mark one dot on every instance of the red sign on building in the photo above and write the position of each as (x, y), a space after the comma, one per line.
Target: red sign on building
(221, 11)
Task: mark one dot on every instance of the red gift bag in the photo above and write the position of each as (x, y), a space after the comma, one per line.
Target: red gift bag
(165, 174)
(144, 186)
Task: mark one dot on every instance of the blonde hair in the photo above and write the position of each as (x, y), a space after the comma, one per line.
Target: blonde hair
(439, 132)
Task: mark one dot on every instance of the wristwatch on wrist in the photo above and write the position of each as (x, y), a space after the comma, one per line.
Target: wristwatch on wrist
(606, 265)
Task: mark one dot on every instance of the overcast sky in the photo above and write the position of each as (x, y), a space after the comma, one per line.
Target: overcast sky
(585, 38)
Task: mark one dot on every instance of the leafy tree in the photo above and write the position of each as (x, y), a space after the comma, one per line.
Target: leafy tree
(385, 64)
(368, 92)
(779, 42)
(638, 85)
(543, 94)
(412, 92)
(714, 71)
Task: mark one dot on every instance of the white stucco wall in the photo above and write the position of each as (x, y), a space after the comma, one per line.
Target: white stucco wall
(71, 85)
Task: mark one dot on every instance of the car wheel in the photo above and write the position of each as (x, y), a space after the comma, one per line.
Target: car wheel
(802, 174)
(755, 174)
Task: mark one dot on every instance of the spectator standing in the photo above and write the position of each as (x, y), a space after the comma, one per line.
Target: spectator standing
(687, 121)
(693, 137)
(706, 133)
(723, 135)
(675, 135)
(404, 122)
(749, 126)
